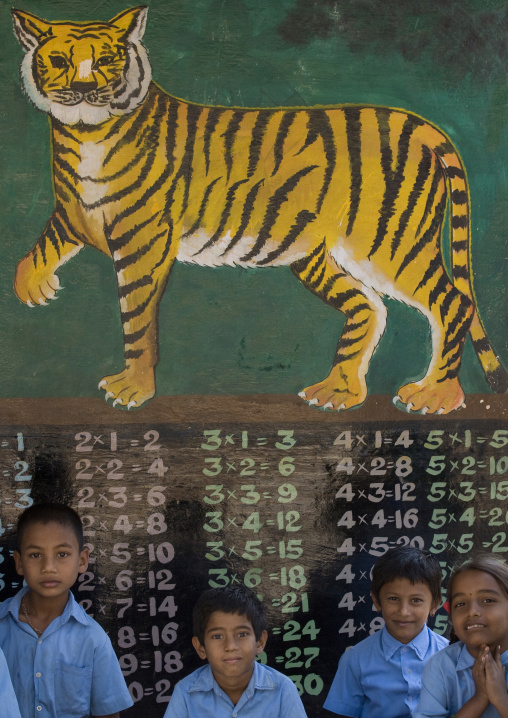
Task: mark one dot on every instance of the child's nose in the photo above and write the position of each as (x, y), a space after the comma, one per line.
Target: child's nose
(230, 643)
(48, 564)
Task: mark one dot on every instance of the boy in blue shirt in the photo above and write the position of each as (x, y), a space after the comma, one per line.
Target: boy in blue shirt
(61, 661)
(230, 630)
(382, 675)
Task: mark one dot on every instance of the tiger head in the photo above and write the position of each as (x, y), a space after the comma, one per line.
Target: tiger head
(84, 72)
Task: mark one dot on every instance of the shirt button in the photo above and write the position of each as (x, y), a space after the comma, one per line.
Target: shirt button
(37, 675)
(39, 642)
(409, 670)
(39, 708)
(410, 698)
(404, 649)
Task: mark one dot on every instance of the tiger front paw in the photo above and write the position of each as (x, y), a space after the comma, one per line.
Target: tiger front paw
(326, 394)
(35, 285)
(129, 388)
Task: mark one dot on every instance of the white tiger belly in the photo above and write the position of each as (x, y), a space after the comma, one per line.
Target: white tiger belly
(194, 249)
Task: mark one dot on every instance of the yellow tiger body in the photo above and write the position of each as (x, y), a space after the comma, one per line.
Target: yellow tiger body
(352, 198)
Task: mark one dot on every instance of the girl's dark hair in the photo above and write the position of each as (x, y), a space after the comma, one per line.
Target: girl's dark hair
(232, 599)
(46, 513)
(485, 562)
(407, 562)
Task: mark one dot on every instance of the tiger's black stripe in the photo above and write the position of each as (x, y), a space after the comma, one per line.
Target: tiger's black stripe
(140, 308)
(320, 263)
(132, 133)
(124, 291)
(426, 238)
(453, 172)
(301, 265)
(393, 178)
(272, 211)
(324, 129)
(202, 208)
(132, 258)
(59, 149)
(211, 122)
(421, 177)
(302, 220)
(460, 317)
(134, 337)
(229, 139)
(248, 208)
(258, 134)
(442, 287)
(134, 91)
(123, 239)
(434, 266)
(185, 170)
(278, 149)
(230, 198)
(354, 146)
(446, 304)
(438, 175)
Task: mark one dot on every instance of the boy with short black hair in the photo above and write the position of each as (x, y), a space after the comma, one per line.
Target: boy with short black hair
(382, 675)
(230, 630)
(61, 661)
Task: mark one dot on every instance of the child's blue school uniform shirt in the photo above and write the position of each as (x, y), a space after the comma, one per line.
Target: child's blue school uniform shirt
(8, 702)
(71, 670)
(447, 683)
(269, 694)
(381, 676)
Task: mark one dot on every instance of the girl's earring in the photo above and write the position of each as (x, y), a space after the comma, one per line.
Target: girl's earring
(432, 613)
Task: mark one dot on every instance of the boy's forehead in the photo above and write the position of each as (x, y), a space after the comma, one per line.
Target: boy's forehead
(40, 532)
(221, 619)
(401, 583)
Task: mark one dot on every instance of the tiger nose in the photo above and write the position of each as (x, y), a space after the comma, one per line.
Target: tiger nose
(83, 87)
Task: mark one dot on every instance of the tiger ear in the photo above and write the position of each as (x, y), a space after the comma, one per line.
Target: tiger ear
(30, 29)
(132, 22)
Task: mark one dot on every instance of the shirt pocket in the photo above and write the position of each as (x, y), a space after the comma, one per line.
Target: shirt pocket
(73, 688)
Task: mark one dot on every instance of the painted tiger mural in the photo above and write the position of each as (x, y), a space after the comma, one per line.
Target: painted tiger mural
(352, 198)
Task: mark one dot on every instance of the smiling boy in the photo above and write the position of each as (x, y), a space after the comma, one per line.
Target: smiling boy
(230, 631)
(61, 661)
(381, 675)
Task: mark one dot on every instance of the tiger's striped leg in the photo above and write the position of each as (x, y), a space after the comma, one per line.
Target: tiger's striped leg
(35, 281)
(345, 386)
(142, 275)
(440, 391)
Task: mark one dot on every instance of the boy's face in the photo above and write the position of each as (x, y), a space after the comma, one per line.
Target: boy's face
(231, 648)
(405, 607)
(49, 559)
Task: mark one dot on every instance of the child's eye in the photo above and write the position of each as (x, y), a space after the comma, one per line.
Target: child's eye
(62, 554)
(34, 555)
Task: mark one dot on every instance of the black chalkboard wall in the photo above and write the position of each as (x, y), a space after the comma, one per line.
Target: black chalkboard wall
(295, 503)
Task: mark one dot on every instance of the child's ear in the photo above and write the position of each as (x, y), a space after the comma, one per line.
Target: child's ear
(83, 560)
(200, 650)
(375, 601)
(260, 646)
(17, 561)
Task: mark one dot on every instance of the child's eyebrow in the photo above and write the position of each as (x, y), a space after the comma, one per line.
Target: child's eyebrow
(221, 628)
(481, 590)
(33, 546)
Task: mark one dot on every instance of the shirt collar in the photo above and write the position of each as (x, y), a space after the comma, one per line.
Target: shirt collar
(72, 609)
(260, 680)
(419, 644)
(466, 660)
